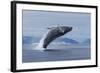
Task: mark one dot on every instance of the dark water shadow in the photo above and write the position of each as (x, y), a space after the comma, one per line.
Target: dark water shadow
(47, 50)
(52, 50)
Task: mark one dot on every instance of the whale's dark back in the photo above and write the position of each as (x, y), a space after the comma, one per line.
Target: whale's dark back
(55, 33)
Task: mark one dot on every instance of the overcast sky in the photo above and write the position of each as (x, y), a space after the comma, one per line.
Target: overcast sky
(35, 23)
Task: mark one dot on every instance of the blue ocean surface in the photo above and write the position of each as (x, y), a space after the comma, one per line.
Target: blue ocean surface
(70, 50)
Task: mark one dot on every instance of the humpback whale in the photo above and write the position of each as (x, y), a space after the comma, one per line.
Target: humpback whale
(54, 33)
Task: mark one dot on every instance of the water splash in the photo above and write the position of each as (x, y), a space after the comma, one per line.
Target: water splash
(40, 44)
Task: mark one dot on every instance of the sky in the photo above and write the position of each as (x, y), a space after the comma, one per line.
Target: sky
(35, 23)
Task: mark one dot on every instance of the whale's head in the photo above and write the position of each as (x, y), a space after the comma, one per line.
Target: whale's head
(65, 29)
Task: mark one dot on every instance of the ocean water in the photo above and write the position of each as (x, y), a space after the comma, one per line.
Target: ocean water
(55, 52)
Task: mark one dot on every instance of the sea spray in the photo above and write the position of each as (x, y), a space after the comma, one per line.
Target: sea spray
(41, 42)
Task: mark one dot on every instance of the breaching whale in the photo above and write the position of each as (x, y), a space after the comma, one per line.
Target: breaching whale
(54, 33)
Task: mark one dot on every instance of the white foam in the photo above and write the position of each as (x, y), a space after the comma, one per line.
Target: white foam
(40, 44)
